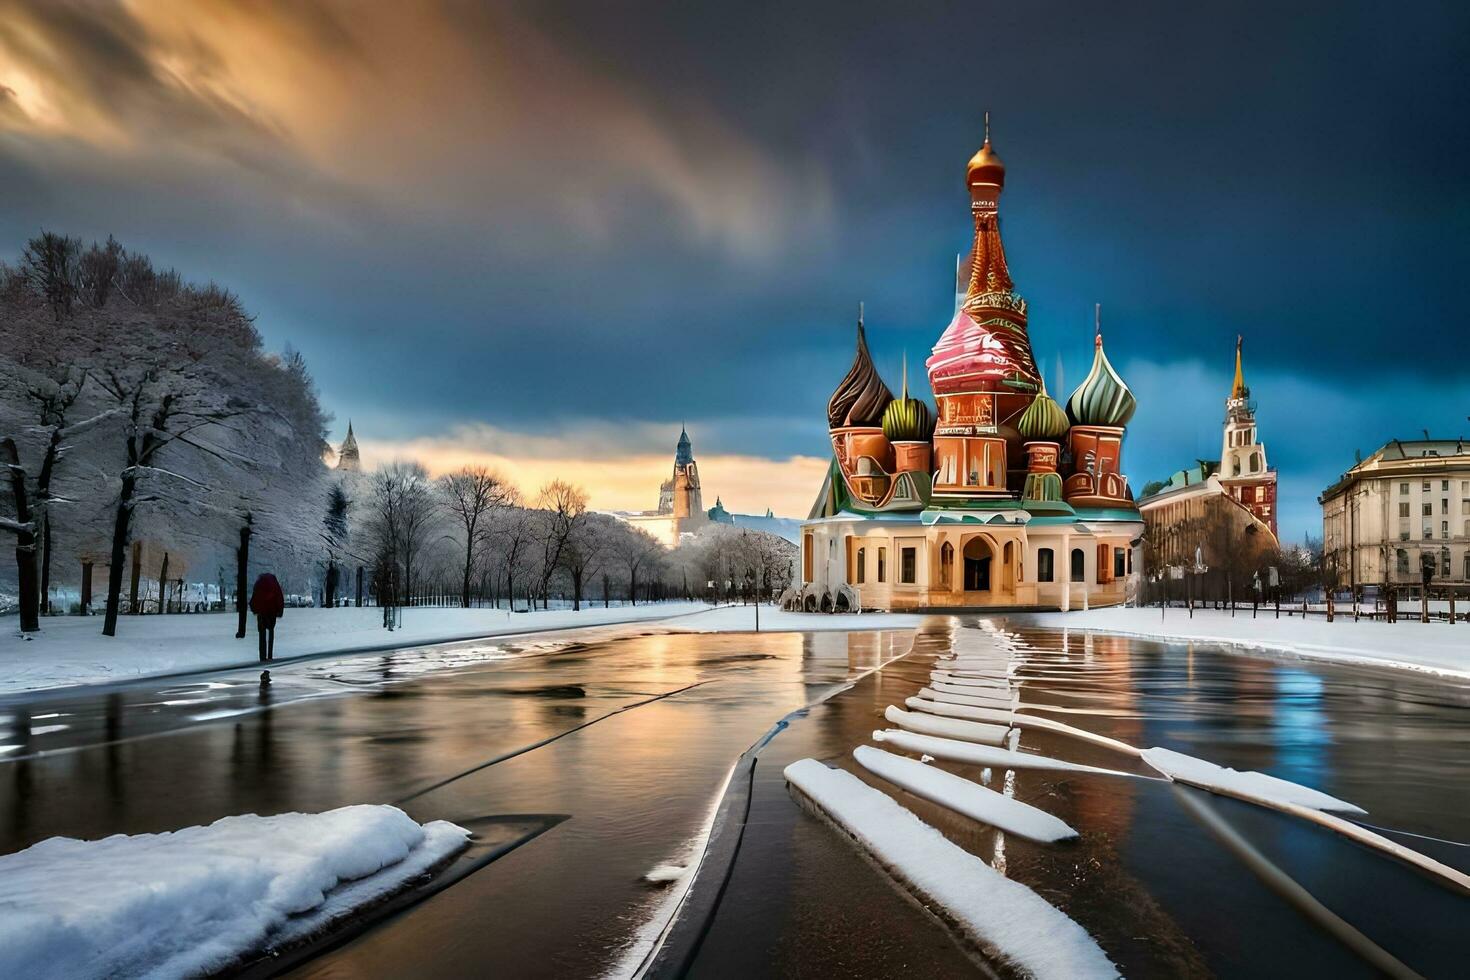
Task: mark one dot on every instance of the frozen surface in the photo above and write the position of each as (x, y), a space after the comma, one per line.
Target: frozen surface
(982, 755)
(1250, 785)
(963, 796)
(1436, 648)
(967, 731)
(197, 900)
(1003, 916)
(963, 680)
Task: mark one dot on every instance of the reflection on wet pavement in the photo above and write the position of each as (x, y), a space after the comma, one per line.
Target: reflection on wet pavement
(631, 740)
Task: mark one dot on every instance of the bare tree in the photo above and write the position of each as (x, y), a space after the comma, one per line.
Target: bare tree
(566, 507)
(637, 550)
(585, 551)
(403, 513)
(471, 494)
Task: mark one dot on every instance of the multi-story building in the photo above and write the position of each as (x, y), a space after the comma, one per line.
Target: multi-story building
(1243, 471)
(1404, 508)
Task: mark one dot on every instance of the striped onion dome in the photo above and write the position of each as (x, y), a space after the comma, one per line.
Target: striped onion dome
(1102, 398)
(1043, 418)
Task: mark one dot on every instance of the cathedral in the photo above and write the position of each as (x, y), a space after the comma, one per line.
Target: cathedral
(1000, 498)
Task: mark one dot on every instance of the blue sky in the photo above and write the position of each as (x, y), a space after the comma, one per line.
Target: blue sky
(550, 233)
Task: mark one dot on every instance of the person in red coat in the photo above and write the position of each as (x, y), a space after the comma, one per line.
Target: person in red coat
(268, 603)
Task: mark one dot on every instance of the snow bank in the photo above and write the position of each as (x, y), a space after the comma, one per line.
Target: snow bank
(1436, 648)
(985, 755)
(1002, 916)
(962, 796)
(1256, 786)
(955, 697)
(1002, 716)
(963, 680)
(197, 900)
(71, 650)
(967, 731)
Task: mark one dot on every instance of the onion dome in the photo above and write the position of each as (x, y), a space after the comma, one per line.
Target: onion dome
(1102, 398)
(1043, 419)
(907, 419)
(985, 166)
(862, 396)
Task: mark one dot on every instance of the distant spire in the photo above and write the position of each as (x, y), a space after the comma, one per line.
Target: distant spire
(905, 375)
(987, 125)
(1097, 324)
(860, 315)
(1238, 390)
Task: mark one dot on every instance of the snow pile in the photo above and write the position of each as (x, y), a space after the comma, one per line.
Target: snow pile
(951, 697)
(963, 796)
(1002, 716)
(1435, 648)
(968, 731)
(1254, 786)
(1003, 916)
(985, 755)
(198, 900)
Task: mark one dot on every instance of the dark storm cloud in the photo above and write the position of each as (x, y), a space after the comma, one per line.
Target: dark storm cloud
(530, 215)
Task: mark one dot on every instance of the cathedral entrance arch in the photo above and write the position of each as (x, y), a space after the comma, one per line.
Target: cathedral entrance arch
(979, 553)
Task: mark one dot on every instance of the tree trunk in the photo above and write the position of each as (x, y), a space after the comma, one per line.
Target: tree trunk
(120, 526)
(329, 590)
(632, 586)
(45, 564)
(359, 586)
(86, 605)
(469, 563)
(135, 574)
(163, 586)
(242, 582)
(25, 545)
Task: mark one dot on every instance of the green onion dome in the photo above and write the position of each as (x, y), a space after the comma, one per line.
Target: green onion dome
(1043, 419)
(907, 419)
(1102, 398)
(1042, 486)
(862, 396)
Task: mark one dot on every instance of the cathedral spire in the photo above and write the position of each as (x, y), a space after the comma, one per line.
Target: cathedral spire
(1238, 390)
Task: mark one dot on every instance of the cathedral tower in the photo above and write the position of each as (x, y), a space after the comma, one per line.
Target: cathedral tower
(347, 457)
(1243, 469)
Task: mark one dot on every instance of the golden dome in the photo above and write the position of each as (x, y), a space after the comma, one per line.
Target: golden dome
(985, 166)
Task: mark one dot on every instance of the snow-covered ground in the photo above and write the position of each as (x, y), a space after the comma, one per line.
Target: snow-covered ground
(70, 650)
(196, 901)
(1436, 648)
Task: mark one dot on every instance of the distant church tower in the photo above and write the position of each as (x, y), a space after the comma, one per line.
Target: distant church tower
(1243, 470)
(347, 457)
(686, 499)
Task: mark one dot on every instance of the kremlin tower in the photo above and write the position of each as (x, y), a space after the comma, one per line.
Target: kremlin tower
(1243, 470)
(1000, 497)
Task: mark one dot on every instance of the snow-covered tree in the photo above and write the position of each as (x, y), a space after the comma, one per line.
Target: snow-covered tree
(471, 495)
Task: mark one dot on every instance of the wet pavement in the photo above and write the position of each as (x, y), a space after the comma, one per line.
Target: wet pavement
(584, 764)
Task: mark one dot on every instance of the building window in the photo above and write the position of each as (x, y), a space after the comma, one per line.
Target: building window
(1444, 505)
(1255, 462)
(1403, 488)
(862, 565)
(1425, 487)
(1260, 494)
(1404, 535)
(1120, 564)
(907, 565)
(1427, 509)
(1444, 529)
(1467, 564)
(946, 564)
(1079, 565)
(1402, 558)
(1444, 485)
(1130, 554)
(1044, 561)
(1403, 508)
(1428, 530)
(882, 564)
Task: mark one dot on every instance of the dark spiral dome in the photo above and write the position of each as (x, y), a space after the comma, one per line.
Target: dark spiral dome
(862, 396)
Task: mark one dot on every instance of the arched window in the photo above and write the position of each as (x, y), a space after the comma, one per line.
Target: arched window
(1079, 565)
(1235, 466)
(882, 564)
(946, 564)
(1255, 462)
(1045, 559)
